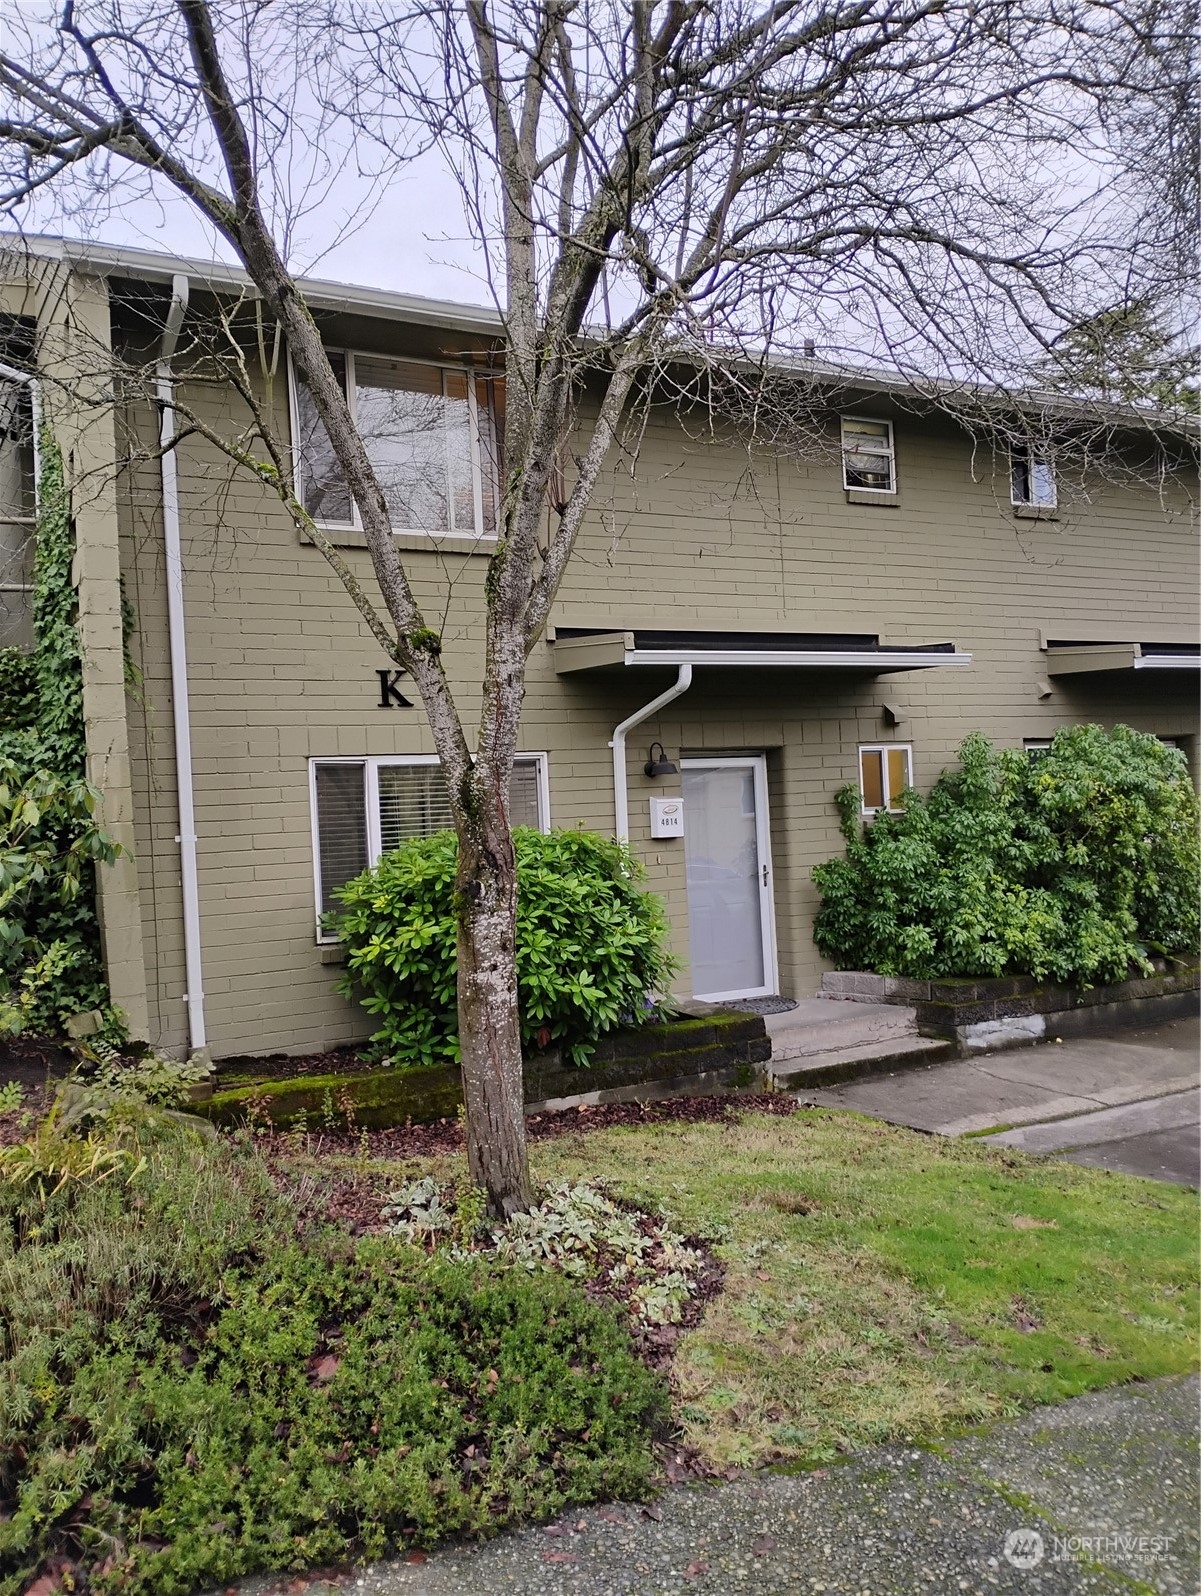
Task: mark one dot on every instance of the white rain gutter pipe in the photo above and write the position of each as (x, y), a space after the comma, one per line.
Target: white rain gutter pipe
(621, 797)
(177, 637)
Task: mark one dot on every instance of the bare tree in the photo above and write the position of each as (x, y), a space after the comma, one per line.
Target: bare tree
(672, 193)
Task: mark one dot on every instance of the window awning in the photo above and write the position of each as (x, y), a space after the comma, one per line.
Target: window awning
(1076, 658)
(583, 649)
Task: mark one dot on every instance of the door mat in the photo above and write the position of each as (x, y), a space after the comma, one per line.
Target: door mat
(760, 1005)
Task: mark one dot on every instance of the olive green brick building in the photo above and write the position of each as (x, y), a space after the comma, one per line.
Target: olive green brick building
(845, 613)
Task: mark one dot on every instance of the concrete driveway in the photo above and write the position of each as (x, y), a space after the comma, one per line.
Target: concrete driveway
(1127, 1101)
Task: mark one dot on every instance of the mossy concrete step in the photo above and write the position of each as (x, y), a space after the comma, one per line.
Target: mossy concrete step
(819, 1025)
(865, 1058)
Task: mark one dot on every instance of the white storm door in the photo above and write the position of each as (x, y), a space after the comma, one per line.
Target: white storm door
(728, 869)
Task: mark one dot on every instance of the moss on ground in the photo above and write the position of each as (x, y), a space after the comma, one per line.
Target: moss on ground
(882, 1284)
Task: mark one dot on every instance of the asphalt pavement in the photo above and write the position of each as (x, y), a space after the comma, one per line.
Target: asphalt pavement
(1095, 1497)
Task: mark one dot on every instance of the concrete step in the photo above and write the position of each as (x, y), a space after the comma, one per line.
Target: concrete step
(820, 1024)
(863, 1058)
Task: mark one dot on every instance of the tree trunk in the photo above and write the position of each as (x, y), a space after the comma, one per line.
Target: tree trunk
(489, 1032)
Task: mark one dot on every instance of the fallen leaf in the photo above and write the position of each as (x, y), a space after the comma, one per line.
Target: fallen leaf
(695, 1570)
(1025, 1222)
(417, 1557)
(611, 1515)
(47, 1585)
(553, 1529)
(582, 1525)
(323, 1369)
(762, 1546)
(762, 1274)
(653, 1512)
(559, 1557)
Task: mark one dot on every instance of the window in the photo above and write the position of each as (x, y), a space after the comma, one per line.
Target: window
(867, 455)
(1032, 480)
(885, 770)
(431, 432)
(364, 807)
(17, 514)
(1036, 747)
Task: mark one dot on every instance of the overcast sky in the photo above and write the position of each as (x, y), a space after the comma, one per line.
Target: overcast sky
(407, 235)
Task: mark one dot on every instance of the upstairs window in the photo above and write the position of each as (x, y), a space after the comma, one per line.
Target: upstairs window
(363, 808)
(868, 461)
(431, 432)
(885, 770)
(1032, 481)
(17, 514)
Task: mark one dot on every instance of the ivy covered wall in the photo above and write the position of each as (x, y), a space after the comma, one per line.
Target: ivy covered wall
(50, 843)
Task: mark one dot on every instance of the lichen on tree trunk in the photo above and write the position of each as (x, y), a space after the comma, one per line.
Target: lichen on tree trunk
(489, 1029)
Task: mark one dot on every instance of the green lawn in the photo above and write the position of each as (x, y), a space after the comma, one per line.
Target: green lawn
(884, 1284)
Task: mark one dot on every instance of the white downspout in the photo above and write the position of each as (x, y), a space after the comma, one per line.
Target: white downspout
(181, 711)
(621, 797)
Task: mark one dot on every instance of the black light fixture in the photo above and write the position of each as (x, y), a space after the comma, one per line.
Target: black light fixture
(661, 766)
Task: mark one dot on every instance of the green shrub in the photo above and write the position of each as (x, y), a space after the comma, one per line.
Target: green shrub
(191, 1392)
(590, 944)
(1073, 866)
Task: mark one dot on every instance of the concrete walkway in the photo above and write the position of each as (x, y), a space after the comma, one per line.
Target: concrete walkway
(1127, 1101)
(1092, 1498)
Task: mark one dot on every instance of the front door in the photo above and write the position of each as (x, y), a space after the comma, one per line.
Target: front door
(728, 866)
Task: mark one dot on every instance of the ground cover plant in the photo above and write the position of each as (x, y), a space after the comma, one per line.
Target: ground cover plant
(1078, 865)
(880, 1284)
(591, 944)
(201, 1378)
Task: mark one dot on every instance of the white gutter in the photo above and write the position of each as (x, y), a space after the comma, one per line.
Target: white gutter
(181, 711)
(621, 797)
(1168, 662)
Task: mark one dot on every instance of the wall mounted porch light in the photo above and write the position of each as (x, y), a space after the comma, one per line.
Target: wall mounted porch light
(661, 766)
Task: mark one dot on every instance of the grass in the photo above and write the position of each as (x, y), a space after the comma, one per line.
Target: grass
(884, 1284)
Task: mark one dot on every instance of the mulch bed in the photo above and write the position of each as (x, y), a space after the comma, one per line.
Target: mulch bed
(445, 1136)
(36, 1065)
(33, 1060)
(354, 1198)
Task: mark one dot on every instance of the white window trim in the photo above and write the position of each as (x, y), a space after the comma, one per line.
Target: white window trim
(355, 524)
(27, 379)
(1031, 457)
(1033, 746)
(876, 421)
(885, 749)
(371, 765)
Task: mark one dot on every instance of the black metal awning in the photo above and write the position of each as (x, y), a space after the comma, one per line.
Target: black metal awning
(1076, 658)
(587, 649)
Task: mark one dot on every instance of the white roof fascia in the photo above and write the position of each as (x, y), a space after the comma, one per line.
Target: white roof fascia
(480, 321)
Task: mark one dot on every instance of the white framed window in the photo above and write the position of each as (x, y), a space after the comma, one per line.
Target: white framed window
(1036, 747)
(885, 770)
(432, 432)
(868, 455)
(1031, 480)
(362, 808)
(18, 509)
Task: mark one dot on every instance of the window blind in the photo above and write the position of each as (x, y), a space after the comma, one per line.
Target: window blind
(412, 803)
(341, 828)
